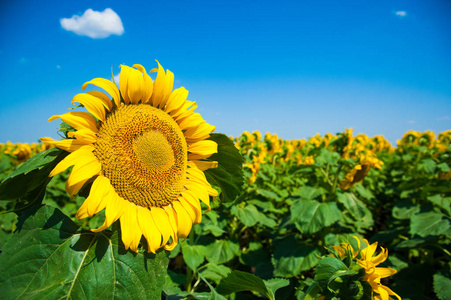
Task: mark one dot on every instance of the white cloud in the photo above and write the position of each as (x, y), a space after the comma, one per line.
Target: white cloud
(401, 13)
(58, 67)
(95, 24)
(411, 122)
(444, 118)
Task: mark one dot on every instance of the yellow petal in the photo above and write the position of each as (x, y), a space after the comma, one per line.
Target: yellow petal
(176, 99)
(149, 229)
(199, 191)
(203, 148)
(168, 86)
(93, 104)
(384, 272)
(100, 195)
(199, 133)
(161, 86)
(188, 209)
(85, 135)
(78, 120)
(108, 86)
(84, 171)
(130, 229)
(75, 187)
(83, 155)
(162, 222)
(69, 145)
(147, 84)
(194, 203)
(186, 110)
(104, 97)
(114, 210)
(134, 85)
(184, 222)
(193, 121)
(173, 223)
(123, 82)
(203, 164)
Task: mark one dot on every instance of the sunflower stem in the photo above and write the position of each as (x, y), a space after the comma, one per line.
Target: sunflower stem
(336, 178)
(189, 272)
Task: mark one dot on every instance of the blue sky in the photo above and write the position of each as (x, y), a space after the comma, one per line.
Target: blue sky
(294, 68)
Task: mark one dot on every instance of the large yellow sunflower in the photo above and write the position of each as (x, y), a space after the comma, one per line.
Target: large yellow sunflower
(144, 152)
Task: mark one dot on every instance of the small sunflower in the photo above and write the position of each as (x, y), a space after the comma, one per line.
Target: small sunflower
(144, 151)
(374, 274)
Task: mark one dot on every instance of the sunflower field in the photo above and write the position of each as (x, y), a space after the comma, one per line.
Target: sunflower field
(300, 200)
(141, 200)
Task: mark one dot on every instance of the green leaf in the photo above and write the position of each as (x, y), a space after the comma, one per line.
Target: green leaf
(49, 258)
(356, 208)
(31, 174)
(228, 176)
(222, 251)
(213, 293)
(310, 193)
(442, 285)
(443, 167)
(404, 209)
(274, 284)
(215, 272)
(292, 256)
(248, 215)
(239, 281)
(311, 216)
(444, 203)
(428, 165)
(312, 292)
(193, 255)
(326, 268)
(429, 223)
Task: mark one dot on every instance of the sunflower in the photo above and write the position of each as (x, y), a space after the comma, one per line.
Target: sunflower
(144, 151)
(374, 274)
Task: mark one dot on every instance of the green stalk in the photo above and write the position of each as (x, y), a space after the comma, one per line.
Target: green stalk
(189, 272)
(336, 178)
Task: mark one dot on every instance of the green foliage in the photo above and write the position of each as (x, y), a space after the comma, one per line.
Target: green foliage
(268, 231)
(238, 281)
(228, 176)
(26, 185)
(49, 257)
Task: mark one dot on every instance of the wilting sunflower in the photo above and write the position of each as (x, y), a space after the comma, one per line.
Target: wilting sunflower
(144, 151)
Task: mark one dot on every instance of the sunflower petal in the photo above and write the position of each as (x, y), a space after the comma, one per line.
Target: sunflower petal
(114, 210)
(82, 155)
(93, 104)
(173, 223)
(176, 99)
(78, 120)
(69, 145)
(147, 87)
(203, 148)
(194, 203)
(81, 172)
(203, 164)
(163, 83)
(149, 229)
(108, 86)
(130, 229)
(184, 222)
(85, 135)
(104, 97)
(162, 222)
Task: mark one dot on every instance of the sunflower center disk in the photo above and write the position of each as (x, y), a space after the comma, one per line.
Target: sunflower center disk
(143, 152)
